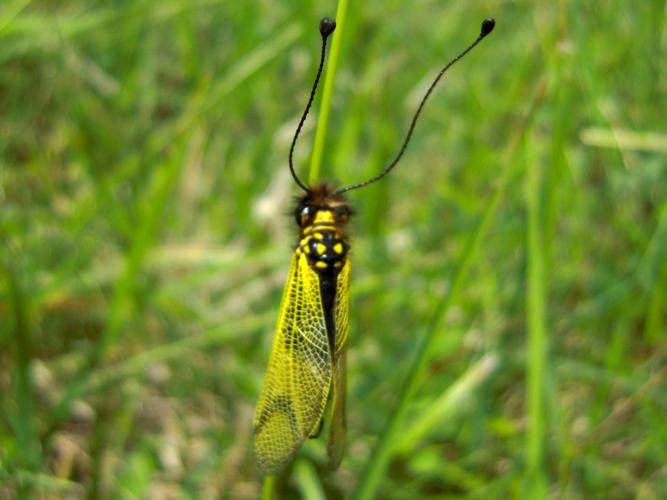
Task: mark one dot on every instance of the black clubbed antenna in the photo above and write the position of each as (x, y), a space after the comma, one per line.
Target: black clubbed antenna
(327, 26)
(487, 27)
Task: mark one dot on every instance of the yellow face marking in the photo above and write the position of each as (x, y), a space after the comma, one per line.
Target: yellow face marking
(320, 248)
(318, 236)
(338, 248)
(306, 249)
(320, 265)
(324, 216)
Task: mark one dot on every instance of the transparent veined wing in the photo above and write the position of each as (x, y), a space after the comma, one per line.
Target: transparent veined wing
(338, 429)
(298, 377)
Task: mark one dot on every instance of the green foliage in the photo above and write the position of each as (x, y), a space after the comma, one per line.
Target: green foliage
(509, 290)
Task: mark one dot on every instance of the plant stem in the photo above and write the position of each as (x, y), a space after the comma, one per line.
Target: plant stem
(325, 105)
(267, 488)
(536, 331)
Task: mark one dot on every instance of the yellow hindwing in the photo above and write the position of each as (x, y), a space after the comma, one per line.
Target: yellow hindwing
(296, 386)
(338, 429)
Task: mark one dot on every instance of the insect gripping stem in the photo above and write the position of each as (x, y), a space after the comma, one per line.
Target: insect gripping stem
(307, 365)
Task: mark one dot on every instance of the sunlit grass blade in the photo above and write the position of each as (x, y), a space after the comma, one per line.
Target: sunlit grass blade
(449, 404)
(537, 337)
(385, 447)
(27, 445)
(624, 139)
(268, 487)
(307, 481)
(12, 11)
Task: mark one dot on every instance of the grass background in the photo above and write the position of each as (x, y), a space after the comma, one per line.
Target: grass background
(143, 187)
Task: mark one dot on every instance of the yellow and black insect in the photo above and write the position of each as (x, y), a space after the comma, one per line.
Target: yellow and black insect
(307, 366)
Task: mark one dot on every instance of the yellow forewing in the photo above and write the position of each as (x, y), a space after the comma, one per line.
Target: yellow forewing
(295, 390)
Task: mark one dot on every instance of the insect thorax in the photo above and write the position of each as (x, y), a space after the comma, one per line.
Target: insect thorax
(322, 217)
(326, 249)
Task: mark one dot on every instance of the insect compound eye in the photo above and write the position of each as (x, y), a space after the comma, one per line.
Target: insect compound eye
(342, 213)
(304, 215)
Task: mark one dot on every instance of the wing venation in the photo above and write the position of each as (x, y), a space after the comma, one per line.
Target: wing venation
(296, 386)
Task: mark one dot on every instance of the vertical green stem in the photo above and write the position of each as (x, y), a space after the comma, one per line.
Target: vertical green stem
(325, 105)
(27, 444)
(307, 480)
(535, 310)
(267, 488)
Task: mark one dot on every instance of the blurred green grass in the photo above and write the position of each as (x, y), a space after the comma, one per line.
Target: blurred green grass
(143, 187)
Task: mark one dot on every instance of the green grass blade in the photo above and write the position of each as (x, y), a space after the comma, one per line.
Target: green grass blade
(307, 481)
(385, 447)
(11, 13)
(268, 487)
(450, 404)
(537, 337)
(383, 451)
(27, 447)
(44, 483)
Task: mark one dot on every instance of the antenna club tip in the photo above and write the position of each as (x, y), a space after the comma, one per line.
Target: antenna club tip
(327, 26)
(487, 26)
